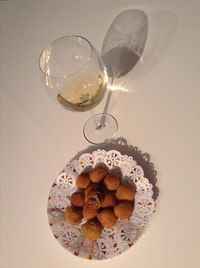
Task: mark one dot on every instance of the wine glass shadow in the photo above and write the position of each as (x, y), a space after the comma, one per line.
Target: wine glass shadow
(162, 28)
(124, 42)
(143, 159)
(134, 45)
(123, 46)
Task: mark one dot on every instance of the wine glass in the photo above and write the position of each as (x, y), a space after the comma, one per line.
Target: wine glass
(76, 77)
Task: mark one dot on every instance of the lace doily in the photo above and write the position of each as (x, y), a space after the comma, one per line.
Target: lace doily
(126, 232)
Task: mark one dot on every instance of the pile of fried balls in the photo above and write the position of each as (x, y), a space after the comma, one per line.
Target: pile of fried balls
(101, 199)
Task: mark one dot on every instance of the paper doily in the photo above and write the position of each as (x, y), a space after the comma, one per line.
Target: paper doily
(126, 232)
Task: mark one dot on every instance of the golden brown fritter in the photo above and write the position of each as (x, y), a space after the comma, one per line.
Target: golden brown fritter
(83, 181)
(89, 212)
(93, 199)
(73, 215)
(97, 174)
(78, 199)
(91, 230)
(109, 200)
(125, 192)
(111, 182)
(107, 218)
(92, 187)
(123, 209)
(101, 200)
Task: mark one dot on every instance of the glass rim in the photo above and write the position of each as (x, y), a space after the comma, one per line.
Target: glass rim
(56, 40)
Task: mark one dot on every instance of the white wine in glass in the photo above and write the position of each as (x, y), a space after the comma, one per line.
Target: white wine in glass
(82, 92)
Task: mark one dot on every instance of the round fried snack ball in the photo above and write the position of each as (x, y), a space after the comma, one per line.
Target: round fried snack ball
(83, 181)
(109, 200)
(125, 192)
(93, 199)
(89, 212)
(107, 218)
(111, 182)
(97, 174)
(73, 215)
(92, 187)
(123, 209)
(91, 230)
(78, 199)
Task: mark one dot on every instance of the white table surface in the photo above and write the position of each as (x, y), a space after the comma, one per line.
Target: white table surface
(159, 114)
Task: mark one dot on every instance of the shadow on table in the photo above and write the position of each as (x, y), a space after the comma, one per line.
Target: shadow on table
(143, 159)
(124, 42)
(136, 42)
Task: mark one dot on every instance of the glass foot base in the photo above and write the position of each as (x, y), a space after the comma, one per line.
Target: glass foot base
(100, 127)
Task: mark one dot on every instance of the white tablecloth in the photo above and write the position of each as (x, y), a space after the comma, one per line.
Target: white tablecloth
(159, 114)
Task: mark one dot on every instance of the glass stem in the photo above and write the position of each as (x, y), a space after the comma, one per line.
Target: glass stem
(101, 123)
